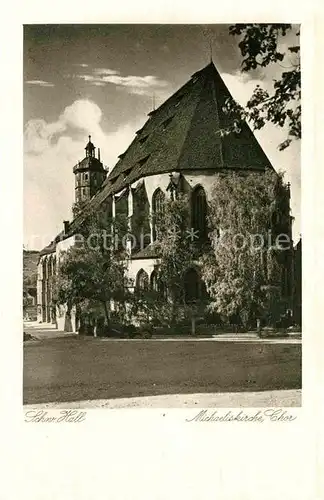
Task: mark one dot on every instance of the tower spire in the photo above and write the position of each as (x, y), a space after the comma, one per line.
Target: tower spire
(90, 148)
(89, 174)
(210, 50)
(208, 39)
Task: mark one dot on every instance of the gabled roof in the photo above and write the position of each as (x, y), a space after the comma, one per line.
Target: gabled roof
(184, 134)
(149, 252)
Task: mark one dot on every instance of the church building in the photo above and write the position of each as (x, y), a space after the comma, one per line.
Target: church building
(180, 148)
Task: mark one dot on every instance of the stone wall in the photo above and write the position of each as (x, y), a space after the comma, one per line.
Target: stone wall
(46, 272)
(65, 319)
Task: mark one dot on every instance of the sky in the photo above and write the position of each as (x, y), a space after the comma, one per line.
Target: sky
(102, 80)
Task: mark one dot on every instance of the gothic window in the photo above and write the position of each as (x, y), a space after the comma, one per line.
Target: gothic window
(44, 269)
(156, 284)
(49, 267)
(194, 287)
(191, 285)
(86, 177)
(199, 213)
(142, 280)
(157, 210)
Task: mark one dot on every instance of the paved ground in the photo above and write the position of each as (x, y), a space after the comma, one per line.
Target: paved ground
(264, 399)
(48, 331)
(44, 331)
(73, 368)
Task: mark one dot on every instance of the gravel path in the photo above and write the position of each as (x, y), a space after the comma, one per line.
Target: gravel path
(281, 398)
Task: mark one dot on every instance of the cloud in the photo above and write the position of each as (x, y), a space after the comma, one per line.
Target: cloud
(105, 71)
(51, 149)
(141, 85)
(40, 83)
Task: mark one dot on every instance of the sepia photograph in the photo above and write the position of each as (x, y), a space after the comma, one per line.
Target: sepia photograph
(162, 258)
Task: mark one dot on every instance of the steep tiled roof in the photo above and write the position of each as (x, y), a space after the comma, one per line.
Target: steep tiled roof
(49, 249)
(183, 134)
(149, 252)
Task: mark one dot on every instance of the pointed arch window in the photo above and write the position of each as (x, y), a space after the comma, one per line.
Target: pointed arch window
(156, 284)
(199, 213)
(194, 287)
(158, 200)
(142, 280)
(44, 268)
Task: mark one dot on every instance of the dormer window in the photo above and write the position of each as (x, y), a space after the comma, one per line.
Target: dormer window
(167, 122)
(178, 101)
(143, 160)
(113, 179)
(143, 139)
(126, 173)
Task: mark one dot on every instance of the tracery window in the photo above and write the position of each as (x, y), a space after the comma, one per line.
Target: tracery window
(158, 200)
(142, 280)
(194, 287)
(199, 213)
(156, 284)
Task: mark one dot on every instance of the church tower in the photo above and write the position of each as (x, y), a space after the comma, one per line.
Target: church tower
(89, 174)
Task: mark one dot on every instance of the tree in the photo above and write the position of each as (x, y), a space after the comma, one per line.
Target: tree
(244, 264)
(259, 46)
(93, 271)
(79, 207)
(177, 253)
(30, 259)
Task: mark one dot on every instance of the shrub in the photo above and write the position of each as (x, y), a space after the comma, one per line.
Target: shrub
(146, 331)
(146, 334)
(130, 331)
(27, 336)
